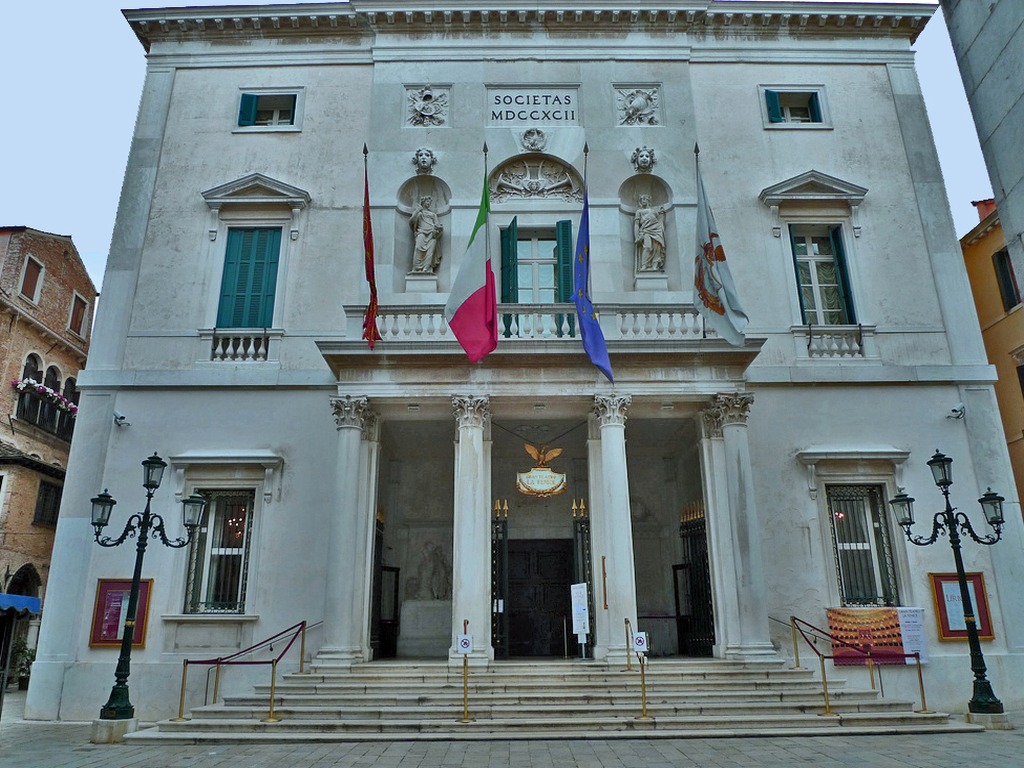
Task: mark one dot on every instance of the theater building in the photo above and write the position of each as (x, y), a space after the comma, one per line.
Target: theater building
(708, 494)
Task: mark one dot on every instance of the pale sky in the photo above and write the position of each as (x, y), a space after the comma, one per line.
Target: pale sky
(73, 71)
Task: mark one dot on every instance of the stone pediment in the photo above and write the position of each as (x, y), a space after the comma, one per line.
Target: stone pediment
(256, 189)
(813, 185)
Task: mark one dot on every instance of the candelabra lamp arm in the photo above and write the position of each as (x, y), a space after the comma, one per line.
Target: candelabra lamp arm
(988, 540)
(130, 529)
(161, 531)
(938, 526)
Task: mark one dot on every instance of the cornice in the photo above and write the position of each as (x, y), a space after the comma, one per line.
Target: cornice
(374, 17)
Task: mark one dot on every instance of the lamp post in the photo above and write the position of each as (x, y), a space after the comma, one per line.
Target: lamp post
(144, 526)
(952, 523)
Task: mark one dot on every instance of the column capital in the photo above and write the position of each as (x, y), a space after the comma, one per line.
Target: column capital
(711, 422)
(734, 407)
(350, 411)
(371, 426)
(471, 410)
(611, 409)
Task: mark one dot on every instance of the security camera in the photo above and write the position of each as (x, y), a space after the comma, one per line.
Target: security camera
(958, 411)
(121, 420)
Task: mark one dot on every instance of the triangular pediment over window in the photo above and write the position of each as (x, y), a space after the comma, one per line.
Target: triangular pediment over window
(259, 192)
(814, 188)
(256, 189)
(813, 185)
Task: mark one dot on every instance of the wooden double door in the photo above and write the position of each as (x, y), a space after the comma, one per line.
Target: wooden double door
(540, 572)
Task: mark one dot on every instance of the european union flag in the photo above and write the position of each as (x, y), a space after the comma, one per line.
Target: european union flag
(590, 330)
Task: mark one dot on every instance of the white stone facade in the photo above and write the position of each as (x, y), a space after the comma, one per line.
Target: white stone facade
(357, 459)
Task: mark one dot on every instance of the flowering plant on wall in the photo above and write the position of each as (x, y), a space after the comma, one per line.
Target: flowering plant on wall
(43, 392)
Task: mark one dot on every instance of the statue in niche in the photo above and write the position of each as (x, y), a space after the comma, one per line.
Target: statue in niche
(427, 107)
(435, 574)
(426, 250)
(643, 159)
(424, 160)
(649, 235)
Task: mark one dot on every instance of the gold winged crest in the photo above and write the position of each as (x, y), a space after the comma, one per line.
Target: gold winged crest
(543, 454)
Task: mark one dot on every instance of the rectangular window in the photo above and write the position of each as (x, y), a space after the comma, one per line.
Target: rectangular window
(822, 282)
(794, 107)
(862, 549)
(249, 282)
(78, 310)
(536, 268)
(270, 109)
(219, 555)
(31, 279)
(47, 504)
(1006, 279)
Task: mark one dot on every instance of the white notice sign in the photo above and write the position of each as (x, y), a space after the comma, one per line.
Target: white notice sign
(640, 642)
(580, 609)
(464, 643)
(912, 631)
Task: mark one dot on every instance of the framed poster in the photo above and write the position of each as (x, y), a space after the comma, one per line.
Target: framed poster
(949, 609)
(111, 609)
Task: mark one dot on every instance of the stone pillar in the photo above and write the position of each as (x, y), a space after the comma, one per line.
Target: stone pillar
(369, 468)
(719, 531)
(748, 562)
(471, 550)
(612, 532)
(342, 633)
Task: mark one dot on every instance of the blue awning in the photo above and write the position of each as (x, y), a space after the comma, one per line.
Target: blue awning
(19, 604)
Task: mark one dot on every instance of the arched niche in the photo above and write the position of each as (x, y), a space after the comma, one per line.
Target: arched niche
(648, 273)
(535, 176)
(410, 193)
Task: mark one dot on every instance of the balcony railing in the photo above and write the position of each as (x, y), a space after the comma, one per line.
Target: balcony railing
(240, 345)
(836, 341)
(540, 321)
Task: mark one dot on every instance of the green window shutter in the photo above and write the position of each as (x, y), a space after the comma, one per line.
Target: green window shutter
(247, 109)
(835, 234)
(249, 283)
(796, 272)
(509, 275)
(774, 108)
(814, 106)
(563, 237)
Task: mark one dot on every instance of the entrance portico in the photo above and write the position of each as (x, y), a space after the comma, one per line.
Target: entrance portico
(635, 459)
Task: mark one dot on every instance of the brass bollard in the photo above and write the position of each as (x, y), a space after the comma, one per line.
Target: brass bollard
(273, 688)
(181, 701)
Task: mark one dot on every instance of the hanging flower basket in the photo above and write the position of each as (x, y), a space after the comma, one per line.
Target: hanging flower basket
(43, 392)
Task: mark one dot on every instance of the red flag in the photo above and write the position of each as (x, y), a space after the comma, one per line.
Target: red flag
(370, 332)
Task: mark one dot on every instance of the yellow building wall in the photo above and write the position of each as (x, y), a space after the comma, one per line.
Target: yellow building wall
(1003, 333)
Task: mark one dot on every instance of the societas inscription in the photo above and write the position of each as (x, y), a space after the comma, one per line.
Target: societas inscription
(544, 106)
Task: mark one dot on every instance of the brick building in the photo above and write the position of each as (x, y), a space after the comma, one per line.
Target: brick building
(46, 305)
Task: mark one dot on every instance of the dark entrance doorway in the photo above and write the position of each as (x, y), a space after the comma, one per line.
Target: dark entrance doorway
(539, 574)
(695, 621)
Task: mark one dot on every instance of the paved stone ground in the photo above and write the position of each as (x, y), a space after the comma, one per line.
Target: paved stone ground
(28, 744)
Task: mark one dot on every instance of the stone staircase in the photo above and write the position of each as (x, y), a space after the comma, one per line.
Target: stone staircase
(422, 700)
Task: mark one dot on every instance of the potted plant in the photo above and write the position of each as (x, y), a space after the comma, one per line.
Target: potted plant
(21, 662)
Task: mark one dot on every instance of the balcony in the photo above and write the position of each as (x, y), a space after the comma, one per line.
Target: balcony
(539, 322)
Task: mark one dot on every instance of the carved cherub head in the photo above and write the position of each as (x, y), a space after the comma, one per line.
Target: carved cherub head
(424, 160)
(643, 159)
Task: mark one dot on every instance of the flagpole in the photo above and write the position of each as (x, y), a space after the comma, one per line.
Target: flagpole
(696, 162)
(487, 215)
(586, 156)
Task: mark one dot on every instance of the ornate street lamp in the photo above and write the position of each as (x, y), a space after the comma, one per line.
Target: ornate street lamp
(144, 526)
(952, 523)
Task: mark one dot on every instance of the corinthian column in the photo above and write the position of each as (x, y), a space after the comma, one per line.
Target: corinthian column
(471, 559)
(343, 633)
(612, 532)
(748, 628)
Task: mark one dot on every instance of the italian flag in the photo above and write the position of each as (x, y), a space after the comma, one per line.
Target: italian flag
(472, 308)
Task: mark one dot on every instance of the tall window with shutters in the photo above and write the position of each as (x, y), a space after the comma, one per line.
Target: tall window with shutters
(218, 569)
(249, 283)
(862, 545)
(536, 268)
(823, 282)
